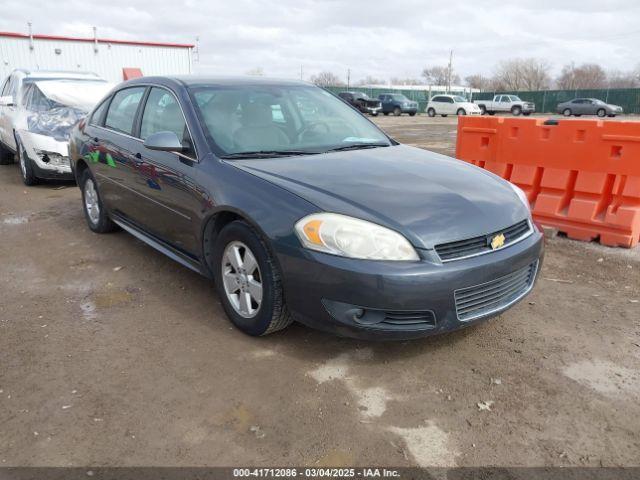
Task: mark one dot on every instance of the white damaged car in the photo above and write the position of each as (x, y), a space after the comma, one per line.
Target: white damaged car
(37, 112)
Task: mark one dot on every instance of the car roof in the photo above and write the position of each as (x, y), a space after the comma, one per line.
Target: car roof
(206, 80)
(59, 74)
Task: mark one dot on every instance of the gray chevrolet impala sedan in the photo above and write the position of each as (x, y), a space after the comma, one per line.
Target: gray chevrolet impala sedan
(299, 208)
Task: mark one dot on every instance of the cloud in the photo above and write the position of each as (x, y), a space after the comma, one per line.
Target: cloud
(378, 39)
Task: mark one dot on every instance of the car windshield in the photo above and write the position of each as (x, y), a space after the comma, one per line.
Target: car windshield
(400, 98)
(363, 96)
(459, 99)
(279, 120)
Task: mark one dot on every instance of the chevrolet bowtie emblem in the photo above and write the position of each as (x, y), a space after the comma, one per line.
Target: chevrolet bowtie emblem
(497, 241)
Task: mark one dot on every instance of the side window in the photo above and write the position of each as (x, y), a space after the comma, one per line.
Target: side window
(162, 113)
(449, 99)
(96, 117)
(122, 110)
(5, 87)
(14, 83)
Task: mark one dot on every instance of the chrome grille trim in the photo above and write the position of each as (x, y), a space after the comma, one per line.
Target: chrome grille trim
(495, 295)
(445, 249)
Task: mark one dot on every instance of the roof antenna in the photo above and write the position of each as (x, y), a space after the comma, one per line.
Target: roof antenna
(95, 40)
(30, 36)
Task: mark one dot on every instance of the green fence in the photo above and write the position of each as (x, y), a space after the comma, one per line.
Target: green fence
(547, 100)
(420, 96)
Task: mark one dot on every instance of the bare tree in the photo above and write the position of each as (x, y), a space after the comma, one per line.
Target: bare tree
(619, 79)
(369, 80)
(327, 79)
(439, 76)
(587, 75)
(522, 74)
(405, 81)
(478, 81)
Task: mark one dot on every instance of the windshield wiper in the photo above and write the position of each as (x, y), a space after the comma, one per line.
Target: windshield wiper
(267, 154)
(358, 146)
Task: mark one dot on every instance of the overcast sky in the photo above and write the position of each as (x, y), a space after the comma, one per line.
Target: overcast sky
(381, 39)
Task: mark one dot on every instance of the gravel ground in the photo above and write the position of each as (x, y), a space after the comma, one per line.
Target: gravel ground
(111, 354)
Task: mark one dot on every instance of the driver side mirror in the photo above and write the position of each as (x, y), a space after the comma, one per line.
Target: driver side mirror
(6, 101)
(164, 142)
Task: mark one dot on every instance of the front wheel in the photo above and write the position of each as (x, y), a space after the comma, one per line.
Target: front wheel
(461, 112)
(374, 114)
(248, 281)
(397, 112)
(601, 112)
(431, 112)
(94, 211)
(26, 166)
(515, 111)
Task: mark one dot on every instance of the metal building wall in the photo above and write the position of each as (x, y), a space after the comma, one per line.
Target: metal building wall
(107, 62)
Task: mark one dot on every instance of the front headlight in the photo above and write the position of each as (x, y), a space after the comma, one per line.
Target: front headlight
(354, 238)
(521, 195)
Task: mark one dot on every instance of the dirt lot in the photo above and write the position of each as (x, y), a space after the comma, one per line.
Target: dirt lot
(111, 354)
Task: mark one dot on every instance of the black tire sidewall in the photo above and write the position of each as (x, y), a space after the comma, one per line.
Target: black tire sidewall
(242, 232)
(104, 222)
(431, 112)
(29, 179)
(397, 111)
(516, 111)
(604, 113)
(461, 110)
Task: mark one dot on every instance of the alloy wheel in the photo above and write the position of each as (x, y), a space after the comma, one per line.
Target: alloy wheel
(91, 202)
(242, 279)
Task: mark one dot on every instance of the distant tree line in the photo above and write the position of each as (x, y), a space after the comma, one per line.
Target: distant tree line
(514, 74)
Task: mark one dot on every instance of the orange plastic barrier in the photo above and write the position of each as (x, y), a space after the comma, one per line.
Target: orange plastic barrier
(581, 176)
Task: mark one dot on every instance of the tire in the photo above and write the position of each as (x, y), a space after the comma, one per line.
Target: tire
(97, 220)
(6, 157)
(461, 112)
(271, 313)
(491, 113)
(374, 114)
(601, 112)
(483, 110)
(612, 115)
(412, 114)
(431, 112)
(526, 114)
(385, 113)
(443, 115)
(397, 112)
(26, 166)
(566, 112)
(516, 111)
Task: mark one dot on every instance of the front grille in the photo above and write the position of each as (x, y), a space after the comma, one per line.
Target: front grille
(407, 319)
(479, 245)
(484, 299)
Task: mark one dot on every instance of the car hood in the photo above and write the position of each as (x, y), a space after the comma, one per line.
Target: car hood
(428, 197)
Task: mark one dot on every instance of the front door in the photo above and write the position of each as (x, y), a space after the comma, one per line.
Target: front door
(176, 201)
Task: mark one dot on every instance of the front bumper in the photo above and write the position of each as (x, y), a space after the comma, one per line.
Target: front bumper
(325, 291)
(373, 110)
(49, 157)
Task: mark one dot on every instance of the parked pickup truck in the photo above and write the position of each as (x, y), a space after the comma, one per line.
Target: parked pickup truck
(362, 102)
(506, 103)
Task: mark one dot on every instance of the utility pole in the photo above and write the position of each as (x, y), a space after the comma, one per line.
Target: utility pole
(301, 72)
(449, 71)
(348, 77)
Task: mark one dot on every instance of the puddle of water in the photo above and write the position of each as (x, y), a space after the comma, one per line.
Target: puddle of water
(605, 377)
(429, 445)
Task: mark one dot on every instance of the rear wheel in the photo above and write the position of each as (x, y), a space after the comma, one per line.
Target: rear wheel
(26, 166)
(566, 112)
(412, 114)
(483, 110)
(94, 211)
(385, 113)
(397, 112)
(248, 281)
(461, 112)
(601, 112)
(431, 112)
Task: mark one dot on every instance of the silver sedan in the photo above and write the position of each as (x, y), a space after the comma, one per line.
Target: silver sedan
(588, 106)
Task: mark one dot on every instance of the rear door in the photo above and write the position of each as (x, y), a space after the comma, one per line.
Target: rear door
(113, 147)
(173, 199)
